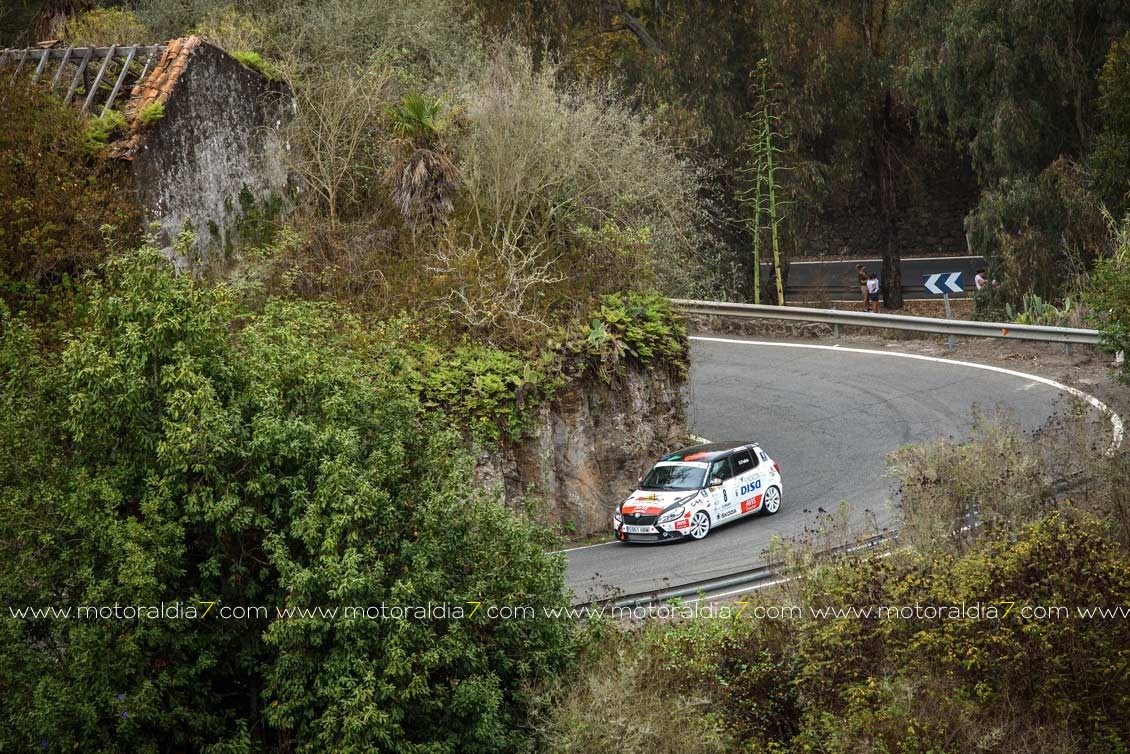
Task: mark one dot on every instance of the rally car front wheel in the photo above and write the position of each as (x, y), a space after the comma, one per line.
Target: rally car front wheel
(700, 525)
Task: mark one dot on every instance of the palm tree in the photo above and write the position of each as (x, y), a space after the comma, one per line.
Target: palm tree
(423, 179)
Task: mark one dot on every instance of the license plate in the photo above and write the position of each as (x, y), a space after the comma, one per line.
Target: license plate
(639, 529)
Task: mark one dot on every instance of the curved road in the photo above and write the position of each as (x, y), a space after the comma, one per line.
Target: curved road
(828, 416)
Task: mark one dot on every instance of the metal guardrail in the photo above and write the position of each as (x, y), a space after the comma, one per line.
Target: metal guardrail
(1067, 335)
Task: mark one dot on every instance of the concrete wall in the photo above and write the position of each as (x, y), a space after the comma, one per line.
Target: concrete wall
(588, 448)
(216, 157)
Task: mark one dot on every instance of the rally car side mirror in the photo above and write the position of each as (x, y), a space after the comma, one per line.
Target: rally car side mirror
(715, 482)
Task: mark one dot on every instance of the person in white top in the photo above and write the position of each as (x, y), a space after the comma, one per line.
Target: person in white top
(873, 292)
(980, 281)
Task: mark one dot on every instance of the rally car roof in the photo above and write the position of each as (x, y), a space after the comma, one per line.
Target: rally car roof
(707, 452)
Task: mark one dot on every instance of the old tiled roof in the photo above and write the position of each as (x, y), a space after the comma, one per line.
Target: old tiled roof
(157, 86)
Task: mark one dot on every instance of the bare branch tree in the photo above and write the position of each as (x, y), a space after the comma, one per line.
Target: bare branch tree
(334, 136)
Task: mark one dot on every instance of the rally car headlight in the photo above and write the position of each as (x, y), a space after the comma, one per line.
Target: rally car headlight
(671, 515)
(617, 517)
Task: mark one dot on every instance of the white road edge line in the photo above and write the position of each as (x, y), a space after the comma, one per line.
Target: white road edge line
(1116, 426)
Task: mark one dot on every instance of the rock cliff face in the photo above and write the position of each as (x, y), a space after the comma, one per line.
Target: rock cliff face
(588, 447)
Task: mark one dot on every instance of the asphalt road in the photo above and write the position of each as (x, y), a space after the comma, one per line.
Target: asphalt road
(828, 416)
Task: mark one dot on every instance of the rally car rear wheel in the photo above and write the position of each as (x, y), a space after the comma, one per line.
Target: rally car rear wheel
(700, 525)
(772, 501)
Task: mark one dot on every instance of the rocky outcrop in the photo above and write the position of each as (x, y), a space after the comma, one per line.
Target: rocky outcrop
(588, 447)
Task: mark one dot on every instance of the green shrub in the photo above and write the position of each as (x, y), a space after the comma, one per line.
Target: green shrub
(1108, 296)
(256, 63)
(99, 131)
(999, 679)
(639, 327)
(151, 113)
(102, 27)
(743, 666)
(480, 388)
(1033, 310)
(186, 448)
(493, 392)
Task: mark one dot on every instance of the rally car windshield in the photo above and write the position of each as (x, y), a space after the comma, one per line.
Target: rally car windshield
(674, 477)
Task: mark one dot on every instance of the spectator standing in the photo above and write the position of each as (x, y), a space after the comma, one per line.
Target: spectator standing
(873, 292)
(861, 271)
(979, 280)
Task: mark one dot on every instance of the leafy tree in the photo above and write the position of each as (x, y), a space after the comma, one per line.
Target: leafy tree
(1040, 234)
(1012, 83)
(184, 448)
(1110, 160)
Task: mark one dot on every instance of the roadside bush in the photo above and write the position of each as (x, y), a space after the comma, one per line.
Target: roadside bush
(184, 448)
(745, 668)
(994, 480)
(1040, 234)
(999, 649)
(625, 694)
(1108, 295)
(996, 682)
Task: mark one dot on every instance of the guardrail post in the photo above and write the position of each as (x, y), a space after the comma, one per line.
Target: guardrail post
(835, 325)
(951, 340)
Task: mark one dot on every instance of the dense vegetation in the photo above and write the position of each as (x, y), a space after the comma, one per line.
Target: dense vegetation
(1021, 111)
(296, 431)
(185, 446)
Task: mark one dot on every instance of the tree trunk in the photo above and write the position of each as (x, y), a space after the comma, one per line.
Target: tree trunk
(890, 277)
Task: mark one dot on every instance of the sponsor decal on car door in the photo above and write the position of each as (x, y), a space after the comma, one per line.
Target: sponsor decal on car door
(725, 495)
(750, 490)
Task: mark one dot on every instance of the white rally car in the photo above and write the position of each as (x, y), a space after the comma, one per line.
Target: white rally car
(689, 492)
